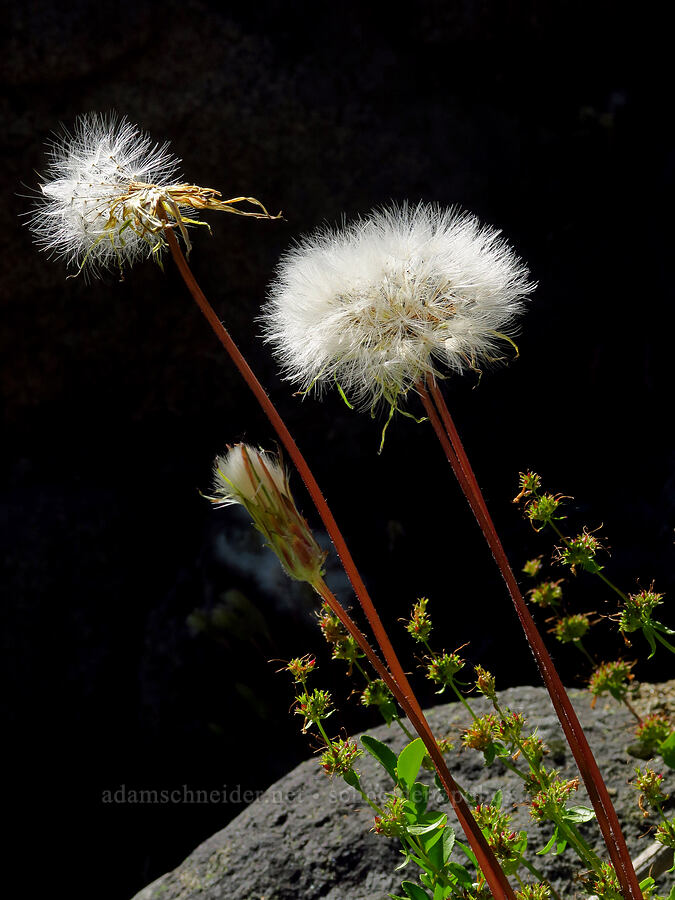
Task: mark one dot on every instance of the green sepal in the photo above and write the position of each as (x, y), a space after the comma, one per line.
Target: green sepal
(342, 393)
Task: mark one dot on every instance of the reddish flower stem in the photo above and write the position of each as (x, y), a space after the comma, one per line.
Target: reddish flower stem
(606, 814)
(396, 681)
(495, 877)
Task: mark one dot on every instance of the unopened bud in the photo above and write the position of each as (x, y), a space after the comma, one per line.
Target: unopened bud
(258, 481)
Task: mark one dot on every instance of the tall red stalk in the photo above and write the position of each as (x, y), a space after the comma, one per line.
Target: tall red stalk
(397, 680)
(606, 814)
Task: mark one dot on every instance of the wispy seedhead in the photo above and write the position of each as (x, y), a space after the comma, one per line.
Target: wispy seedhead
(109, 193)
(394, 297)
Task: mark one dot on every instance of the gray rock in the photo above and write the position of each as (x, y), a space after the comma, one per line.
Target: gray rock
(309, 837)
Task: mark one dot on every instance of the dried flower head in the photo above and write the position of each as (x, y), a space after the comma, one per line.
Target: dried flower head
(109, 193)
(258, 481)
(377, 305)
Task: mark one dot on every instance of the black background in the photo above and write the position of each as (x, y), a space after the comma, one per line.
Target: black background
(546, 120)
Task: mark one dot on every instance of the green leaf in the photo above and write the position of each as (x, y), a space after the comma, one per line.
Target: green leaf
(405, 861)
(410, 762)
(493, 749)
(433, 846)
(576, 814)
(648, 632)
(419, 795)
(352, 779)
(388, 711)
(556, 841)
(441, 790)
(424, 827)
(497, 800)
(461, 874)
(549, 846)
(667, 750)
(468, 852)
(414, 891)
(382, 753)
(448, 842)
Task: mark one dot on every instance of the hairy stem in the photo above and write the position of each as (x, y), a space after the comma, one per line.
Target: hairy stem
(441, 421)
(396, 681)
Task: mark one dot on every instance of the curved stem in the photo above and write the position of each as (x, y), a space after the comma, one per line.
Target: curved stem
(396, 681)
(588, 767)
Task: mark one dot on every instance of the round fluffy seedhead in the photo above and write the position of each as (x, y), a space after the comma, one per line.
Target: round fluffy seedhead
(94, 194)
(394, 298)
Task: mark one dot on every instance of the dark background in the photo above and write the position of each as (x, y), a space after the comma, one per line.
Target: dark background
(137, 641)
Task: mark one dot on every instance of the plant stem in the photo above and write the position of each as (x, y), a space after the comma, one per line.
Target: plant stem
(464, 701)
(396, 681)
(578, 644)
(479, 845)
(597, 791)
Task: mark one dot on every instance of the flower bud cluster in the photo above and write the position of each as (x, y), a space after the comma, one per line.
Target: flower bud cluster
(529, 483)
(549, 800)
(539, 891)
(649, 783)
(533, 567)
(376, 693)
(580, 551)
(547, 593)
(301, 668)
(443, 668)
(419, 624)
(571, 628)
(543, 510)
(485, 683)
(500, 836)
(481, 733)
(314, 706)
(665, 834)
(611, 678)
(637, 610)
(605, 884)
(652, 731)
(392, 821)
(339, 757)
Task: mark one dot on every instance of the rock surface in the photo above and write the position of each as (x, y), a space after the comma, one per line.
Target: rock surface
(309, 837)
